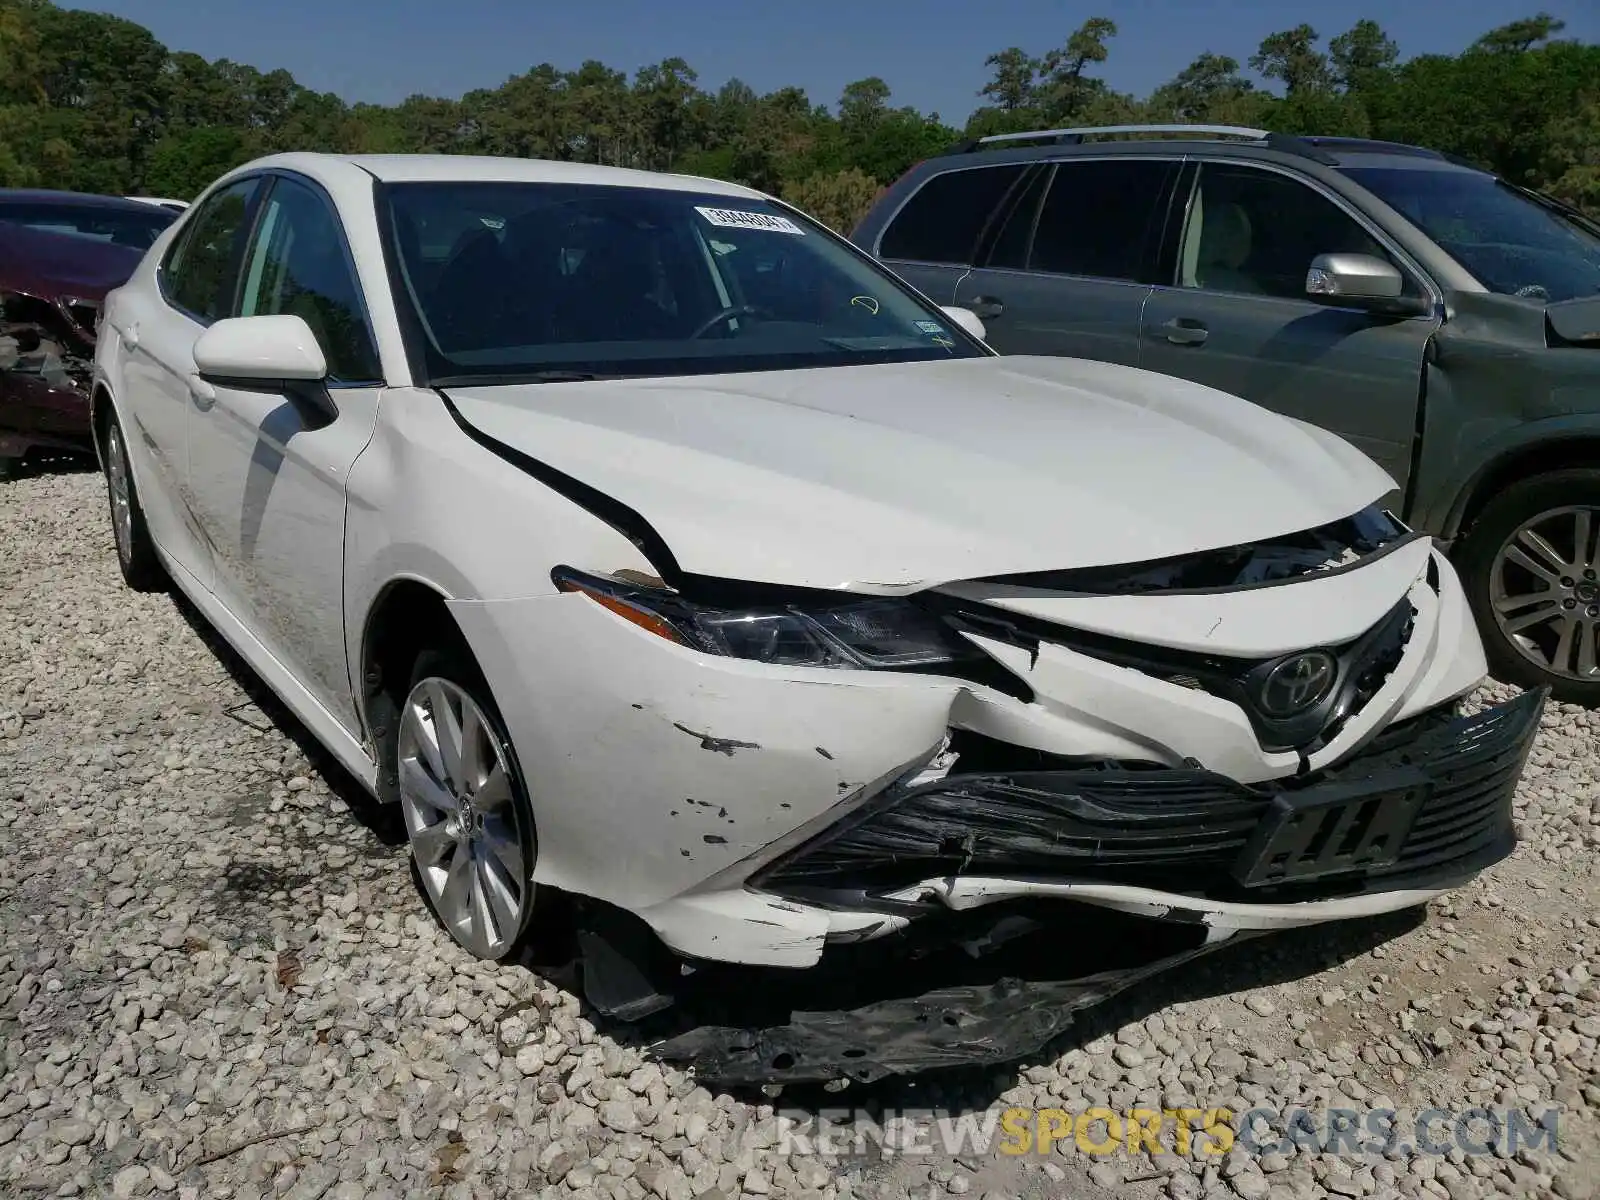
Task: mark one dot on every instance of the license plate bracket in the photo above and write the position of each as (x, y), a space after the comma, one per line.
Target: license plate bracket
(1333, 829)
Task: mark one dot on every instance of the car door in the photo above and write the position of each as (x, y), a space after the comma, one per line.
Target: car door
(269, 472)
(156, 331)
(931, 240)
(1236, 315)
(1068, 270)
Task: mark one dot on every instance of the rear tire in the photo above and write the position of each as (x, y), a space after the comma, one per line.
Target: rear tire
(136, 553)
(466, 808)
(1530, 564)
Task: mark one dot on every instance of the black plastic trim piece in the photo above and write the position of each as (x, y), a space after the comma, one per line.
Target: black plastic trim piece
(1060, 581)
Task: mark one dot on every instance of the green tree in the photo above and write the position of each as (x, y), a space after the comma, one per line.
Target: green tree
(1361, 56)
(839, 200)
(1013, 83)
(1067, 88)
(1200, 90)
(1292, 58)
(1520, 36)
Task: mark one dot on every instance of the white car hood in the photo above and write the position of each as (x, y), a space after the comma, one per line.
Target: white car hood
(892, 478)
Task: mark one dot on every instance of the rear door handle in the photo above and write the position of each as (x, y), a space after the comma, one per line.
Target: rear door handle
(1185, 331)
(985, 307)
(130, 335)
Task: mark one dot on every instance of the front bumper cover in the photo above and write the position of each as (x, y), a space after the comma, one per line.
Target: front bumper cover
(1426, 807)
(1427, 796)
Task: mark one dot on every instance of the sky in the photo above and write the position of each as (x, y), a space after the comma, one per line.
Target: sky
(930, 53)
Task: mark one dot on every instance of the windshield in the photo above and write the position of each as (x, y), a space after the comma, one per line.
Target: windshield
(1509, 243)
(556, 280)
(137, 229)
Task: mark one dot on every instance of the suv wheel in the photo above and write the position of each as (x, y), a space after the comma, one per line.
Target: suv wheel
(466, 810)
(1531, 566)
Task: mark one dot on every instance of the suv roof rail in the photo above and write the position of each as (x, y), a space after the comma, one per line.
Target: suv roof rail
(1286, 143)
(1072, 137)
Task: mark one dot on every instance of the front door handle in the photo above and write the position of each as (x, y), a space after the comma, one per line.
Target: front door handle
(985, 307)
(202, 393)
(1185, 331)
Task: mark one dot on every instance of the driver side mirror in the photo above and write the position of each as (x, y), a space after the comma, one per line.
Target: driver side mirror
(967, 319)
(276, 353)
(1360, 281)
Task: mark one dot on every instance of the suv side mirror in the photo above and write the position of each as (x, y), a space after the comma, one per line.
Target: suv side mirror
(1359, 281)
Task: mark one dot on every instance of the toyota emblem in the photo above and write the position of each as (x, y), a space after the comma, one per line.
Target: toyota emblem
(1298, 683)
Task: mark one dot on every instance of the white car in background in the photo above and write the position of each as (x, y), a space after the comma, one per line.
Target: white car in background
(649, 545)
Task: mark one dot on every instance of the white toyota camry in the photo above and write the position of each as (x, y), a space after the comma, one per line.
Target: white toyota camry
(649, 545)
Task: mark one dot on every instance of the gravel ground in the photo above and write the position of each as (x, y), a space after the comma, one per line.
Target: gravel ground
(217, 981)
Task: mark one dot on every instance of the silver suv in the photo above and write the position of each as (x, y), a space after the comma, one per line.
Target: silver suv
(1442, 319)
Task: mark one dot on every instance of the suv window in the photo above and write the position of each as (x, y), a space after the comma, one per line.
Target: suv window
(1256, 232)
(1100, 218)
(200, 271)
(941, 223)
(298, 264)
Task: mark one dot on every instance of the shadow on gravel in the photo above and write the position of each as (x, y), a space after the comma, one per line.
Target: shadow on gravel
(382, 821)
(41, 463)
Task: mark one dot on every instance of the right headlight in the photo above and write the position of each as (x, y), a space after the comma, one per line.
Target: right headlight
(860, 633)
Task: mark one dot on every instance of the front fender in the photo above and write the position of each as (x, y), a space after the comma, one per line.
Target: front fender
(1518, 448)
(1496, 392)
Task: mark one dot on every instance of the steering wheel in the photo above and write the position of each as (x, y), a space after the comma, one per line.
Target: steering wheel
(726, 315)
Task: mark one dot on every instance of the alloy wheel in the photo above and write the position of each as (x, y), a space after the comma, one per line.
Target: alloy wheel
(1545, 591)
(121, 499)
(456, 791)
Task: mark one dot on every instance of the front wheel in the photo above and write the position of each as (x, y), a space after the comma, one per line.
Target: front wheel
(1531, 567)
(466, 809)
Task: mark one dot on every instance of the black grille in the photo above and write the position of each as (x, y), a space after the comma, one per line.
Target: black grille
(1431, 795)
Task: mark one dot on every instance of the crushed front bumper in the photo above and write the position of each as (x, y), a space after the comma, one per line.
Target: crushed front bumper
(1429, 799)
(1186, 856)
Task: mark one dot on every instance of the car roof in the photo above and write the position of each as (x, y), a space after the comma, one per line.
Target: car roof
(73, 199)
(469, 168)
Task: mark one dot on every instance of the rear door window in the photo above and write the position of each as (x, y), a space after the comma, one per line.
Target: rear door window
(1102, 219)
(943, 220)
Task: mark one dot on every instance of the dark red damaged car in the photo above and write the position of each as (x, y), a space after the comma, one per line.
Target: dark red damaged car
(60, 253)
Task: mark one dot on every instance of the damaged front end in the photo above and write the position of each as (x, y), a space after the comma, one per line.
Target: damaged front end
(1017, 898)
(52, 288)
(1117, 805)
(46, 371)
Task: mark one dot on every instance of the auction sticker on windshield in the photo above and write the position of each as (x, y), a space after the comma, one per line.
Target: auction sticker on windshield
(734, 218)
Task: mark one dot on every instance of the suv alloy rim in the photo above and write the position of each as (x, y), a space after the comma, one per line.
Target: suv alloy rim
(455, 790)
(1545, 591)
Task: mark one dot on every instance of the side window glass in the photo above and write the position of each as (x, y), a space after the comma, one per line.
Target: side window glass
(199, 274)
(298, 265)
(942, 221)
(1255, 232)
(1100, 217)
(1015, 236)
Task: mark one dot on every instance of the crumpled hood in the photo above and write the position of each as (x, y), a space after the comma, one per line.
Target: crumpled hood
(891, 478)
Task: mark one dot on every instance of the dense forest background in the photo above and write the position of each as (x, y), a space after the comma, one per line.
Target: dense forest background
(96, 103)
